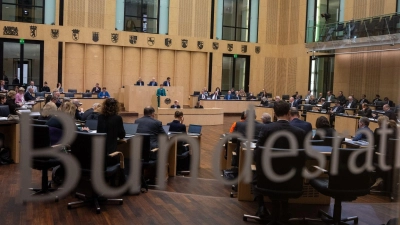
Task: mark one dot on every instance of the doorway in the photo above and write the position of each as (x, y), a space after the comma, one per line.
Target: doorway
(235, 72)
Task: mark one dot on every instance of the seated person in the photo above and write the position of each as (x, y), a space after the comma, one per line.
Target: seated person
(351, 104)
(198, 106)
(153, 82)
(202, 95)
(389, 102)
(96, 89)
(104, 93)
(177, 124)
(367, 112)
(140, 82)
(376, 99)
(90, 111)
(264, 102)
(48, 110)
(251, 97)
(363, 124)
(3, 86)
(337, 109)
(175, 105)
(11, 102)
(322, 123)
(324, 105)
(28, 96)
(19, 98)
(95, 114)
(236, 96)
(312, 100)
(388, 112)
(67, 107)
(242, 118)
(228, 96)
(32, 85)
(3, 99)
(242, 93)
(79, 110)
(167, 83)
(215, 95)
(59, 89)
(45, 88)
(149, 125)
(266, 118)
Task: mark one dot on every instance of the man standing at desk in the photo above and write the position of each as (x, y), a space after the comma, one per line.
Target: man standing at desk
(167, 83)
(160, 92)
(363, 124)
(282, 112)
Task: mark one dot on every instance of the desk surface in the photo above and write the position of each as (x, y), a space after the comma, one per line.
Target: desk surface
(229, 106)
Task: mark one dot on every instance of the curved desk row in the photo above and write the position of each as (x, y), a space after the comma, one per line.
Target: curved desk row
(205, 116)
(229, 106)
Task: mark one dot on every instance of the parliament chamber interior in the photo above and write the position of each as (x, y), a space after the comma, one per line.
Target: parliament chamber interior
(200, 111)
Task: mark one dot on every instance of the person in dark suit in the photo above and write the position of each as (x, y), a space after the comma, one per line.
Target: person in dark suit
(90, 111)
(364, 99)
(177, 124)
(324, 105)
(312, 100)
(336, 110)
(295, 94)
(11, 102)
(295, 121)
(147, 124)
(175, 105)
(367, 112)
(376, 99)
(341, 98)
(236, 96)
(228, 96)
(389, 102)
(298, 100)
(292, 102)
(111, 123)
(329, 96)
(45, 88)
(28, 95)
(389, 113)
(282, 112)
(16, 80)
(152, 82)
(140, 82)
(218, 90)
(3, 86)
(96, 89)
(322, 123)
(167, 83)
(264, 102)
(202, 96)
(266, 118)
(363, 124)
(350, 104)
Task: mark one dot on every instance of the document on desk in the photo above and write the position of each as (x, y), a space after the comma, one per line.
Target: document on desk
(252, 145)
(360, 142)
(3, 118)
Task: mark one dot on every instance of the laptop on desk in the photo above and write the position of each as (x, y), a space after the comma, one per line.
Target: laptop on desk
(166, 128)
(130, 129)
(194, 129)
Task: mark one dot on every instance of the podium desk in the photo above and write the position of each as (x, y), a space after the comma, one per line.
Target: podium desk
(136, 98)
(312, 117)
(205, 116)
(347, 124)
(229, 106)
(260, 110)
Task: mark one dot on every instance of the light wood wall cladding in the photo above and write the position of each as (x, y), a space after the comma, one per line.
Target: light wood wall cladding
(194, 18)
(269, 74)
(183, 68)
(294, 22)
(199, 71)
(281, 76)
(360, 9)
(75, 11)
(96, 11)
(166, 66)
(185, 18)
(94, 65)
(377, 7)
(291, 76)
(75, 66)
(372, 72)
(356, 74)
(132, 66)
(113, 68)
(149, 68)
(271, 24)
(284, 19)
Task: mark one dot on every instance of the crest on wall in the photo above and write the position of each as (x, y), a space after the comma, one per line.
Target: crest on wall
(185, 43)
(200, 44)
(75, 34)
(230, 47)
(95, 36)
(33, 30)
(215, 45)
(151, 41)
(8, 30)
(258, 49)
(244, 48)
(54, 33)
(114, 37)
(167, 101)
(132, 39)
(168, 42)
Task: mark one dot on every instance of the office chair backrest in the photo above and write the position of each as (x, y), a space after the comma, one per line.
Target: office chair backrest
(285, 97)
(269, 95)
(39, 122)
(91, 124)
(81, 148)
(196, 93)
(130, 128)
(86, 95)
(69, 95)
(345, 179)
(145, 146)
(4, 110)
(282, 165)
(72, 91)
(41, 136)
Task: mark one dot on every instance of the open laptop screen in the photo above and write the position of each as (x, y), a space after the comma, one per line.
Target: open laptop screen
(130, 128)
(194, 129)
(166, 128)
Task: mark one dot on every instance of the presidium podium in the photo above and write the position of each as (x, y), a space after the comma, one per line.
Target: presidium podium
(138, 97)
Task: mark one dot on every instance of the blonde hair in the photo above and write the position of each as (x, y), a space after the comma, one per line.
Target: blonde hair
(69, 108)
(97, 108)
(48, 109)
(11, 94)
(382, 119)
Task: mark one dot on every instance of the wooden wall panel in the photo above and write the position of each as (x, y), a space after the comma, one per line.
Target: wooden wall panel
(185, 18)
(291, 76)
(202, 18)
(131, 69)
(149, 66)
(216, 71)
(271, 22)
(167, 66)
(360, 9)
(183, 71)
(76, 13)
(269, 75)
(281, 78)
(356, 74)
(50, 64)
(96, 11)
(74, 66)
(294, 22)
(113, 69)
(198, 75)
(94, 66)
(283, 28)
(372, 72)
(376, 7)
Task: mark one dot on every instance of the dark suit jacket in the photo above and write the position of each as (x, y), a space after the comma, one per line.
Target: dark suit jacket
(46, 89)
(326, 105)
(152, 83)
(328, 133)
(166, 83)
(281, 142)
(177, 107)
(264, 103)
(149, 125)
(96, 90)
(376, 100)
(114, 128)
(28, 96)
(368, 112)
(306, 126)
(202, 96)
(339, 109)
(363, 100)
(241, 127)
(176, 126)
(87, 113)
(140, 83)
(353, 105)
(228, 97)
(236, 97)
(391, 115)
(12, 106)
(390, 103)
(293, 104)
(341, 99)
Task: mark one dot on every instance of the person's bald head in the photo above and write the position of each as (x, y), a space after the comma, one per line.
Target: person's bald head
(148, 111)
(386, 107)
(266, 118)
